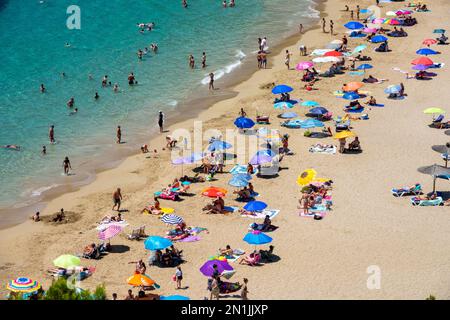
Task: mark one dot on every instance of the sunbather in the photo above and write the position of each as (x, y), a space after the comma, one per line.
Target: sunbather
(372, 101)
(252, 259)
(171, 143)
(227, 251)
(244, 194)
(267, 255)
(217, 206)
(194, 179)
(178, 185)
(355, 144)
(153, 209)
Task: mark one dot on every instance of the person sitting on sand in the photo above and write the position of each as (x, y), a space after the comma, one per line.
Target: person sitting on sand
(355, 144)
(372, 101)
(36, 217)
(244, 194)
(59, 216)
(267, 224)
(216, 207)
(250, 259)
(155, 208)
(89, 250)
(144, 148)
(171, 143)
(227, 251)
(176, 184)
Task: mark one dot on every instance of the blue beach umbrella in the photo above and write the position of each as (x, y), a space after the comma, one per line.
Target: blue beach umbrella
(244, 123)
(353, 25)
(218, 145)
(310, 103)
(260, 159)
(351, 96)
(156, 243)
(318, 111)
(174, 297)
(439, 31)
(311, 123)
(426, 51)
(238, 182)
(360, 48)
(364, 66)
(255, 206)
(282, 88)
(257, 237)
(266, 152)
(289, 115)
(393, 89)
(243, 176)
(283, 105)
(378, 38)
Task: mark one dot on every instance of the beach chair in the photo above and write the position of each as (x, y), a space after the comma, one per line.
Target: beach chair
(415, 190)
(426, 203)
(135, 234)
(262, 120)
(437, 121)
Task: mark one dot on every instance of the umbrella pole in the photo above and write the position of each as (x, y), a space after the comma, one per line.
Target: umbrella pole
(434, 184)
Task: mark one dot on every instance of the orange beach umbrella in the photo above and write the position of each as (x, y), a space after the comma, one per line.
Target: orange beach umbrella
(138, 280)
(214, 192)
(353, 86)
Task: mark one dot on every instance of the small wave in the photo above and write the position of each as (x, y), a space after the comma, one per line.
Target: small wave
(39, 191)
(311, 13)
(172, 103)
(221, 72)
(240, 54)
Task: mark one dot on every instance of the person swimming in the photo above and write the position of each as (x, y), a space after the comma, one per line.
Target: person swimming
(11, 147)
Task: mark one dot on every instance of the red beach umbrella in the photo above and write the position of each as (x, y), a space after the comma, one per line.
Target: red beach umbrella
(423, 60)
(333, 53)
(428, 42)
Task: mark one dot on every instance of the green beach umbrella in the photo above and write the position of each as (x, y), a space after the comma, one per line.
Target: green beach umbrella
(433, 111)
(66, 261)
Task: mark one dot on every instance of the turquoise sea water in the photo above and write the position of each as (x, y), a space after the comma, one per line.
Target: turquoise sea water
(33, 37)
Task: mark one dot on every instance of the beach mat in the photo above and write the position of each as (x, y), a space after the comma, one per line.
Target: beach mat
(190, 239)
(312, 214)
(356, 73)
(230, 208)
(378, 105)
(272, 213)
(359, 110)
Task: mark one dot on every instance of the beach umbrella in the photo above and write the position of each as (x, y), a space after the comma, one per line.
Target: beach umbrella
(194, 157)
(447, 132)
(260, 159)
(353, 86)
(306, 177)
(420, 67)
(394, 22)
(395, 88)
(157, 243)
(318, 111)
(257, 237)
(311, 123)
(403, 12)
(283, 105)
(282, 88)
(265, 152)
(174, 297)
(109, 232)
(333, 53)
(319, 52)
(255, 206)
(370, 30)
(353, 25)
(434, 171)
(171, 219)
(438, 31)
(66, 260)
(238, 182)
(443, 149)
(288, 115)
(344, 134)
(426, 51)
(214, 192)
(434, 110)
(140, 280)
(23, 285)
(391, 14)
(244, 123)
(218, 145)
(304, 65)
(360, 48)
(378, 20)
(310, 103)
(207, 268)
(423, 60)
(337, 41)
(351, 96)
(364, 66)
(378, 38)
(326, 59)
(334, 46)
(429, 42)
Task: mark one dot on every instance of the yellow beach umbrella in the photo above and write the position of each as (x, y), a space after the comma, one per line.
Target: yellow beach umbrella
(66, 261)
(138, 280)
(344, 134)
(433, 111)
(306, 177)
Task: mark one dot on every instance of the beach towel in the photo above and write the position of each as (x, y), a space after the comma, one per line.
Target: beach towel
(259, 226)
(359, 110)
(230, 209)
(358, 35)
(362, 93)
(356, 73)
(378, 105)
(240, 169)
(312, 214)
(321, 148)
(272, 213)
(190, 239)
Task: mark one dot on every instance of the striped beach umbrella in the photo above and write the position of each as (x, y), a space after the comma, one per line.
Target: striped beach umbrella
(109, 232)
(23, 285)
(429, 42)
(171, 219)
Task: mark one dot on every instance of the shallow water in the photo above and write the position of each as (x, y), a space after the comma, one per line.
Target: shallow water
(33, 37)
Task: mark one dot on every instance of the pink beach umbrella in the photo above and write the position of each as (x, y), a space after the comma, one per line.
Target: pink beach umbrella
(394, 22)
(378, 20)
(370, 30)
(304, 65)
(403, 12)
(109, 232)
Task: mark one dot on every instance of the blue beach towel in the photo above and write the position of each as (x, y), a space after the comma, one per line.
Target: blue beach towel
(379, 105)
(356, 73)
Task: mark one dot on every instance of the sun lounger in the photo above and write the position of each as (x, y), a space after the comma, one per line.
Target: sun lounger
(418, 202)
(137, 234)
(415, 190)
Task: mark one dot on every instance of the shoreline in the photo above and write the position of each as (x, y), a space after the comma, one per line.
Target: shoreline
(20, 211)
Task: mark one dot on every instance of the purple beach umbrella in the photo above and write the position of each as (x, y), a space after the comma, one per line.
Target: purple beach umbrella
(208, 267)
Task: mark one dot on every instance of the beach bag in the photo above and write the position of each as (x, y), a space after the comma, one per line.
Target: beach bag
(174, 278)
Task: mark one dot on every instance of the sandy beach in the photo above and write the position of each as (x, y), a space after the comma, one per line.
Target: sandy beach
(327, 259)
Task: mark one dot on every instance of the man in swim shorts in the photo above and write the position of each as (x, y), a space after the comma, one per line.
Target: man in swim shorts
(51, 134)
(66, 165)
(117, 198)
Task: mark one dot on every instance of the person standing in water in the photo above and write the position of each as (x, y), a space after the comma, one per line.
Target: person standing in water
(204, 60)
(96, 96)
(44, 150)
(161, 121)
(42, 88)
(119, 135)
(51, 134)
(184, 3)
(71, 102)
(300, 28)
(191, 61)
(331, 27)
(66, 165)
(323, 25)
(211, 81)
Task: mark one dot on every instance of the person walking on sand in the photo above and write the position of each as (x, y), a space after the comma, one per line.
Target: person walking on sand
(287, 59)
(51, 134)
(67, 165)
(244, 291)
(351, 15)
(178, 277)
(117, 199)
(204, 60)
(331, 27)
(323, 25)
(161, 121)
(357, 12)
(211, 81)
(119, 135)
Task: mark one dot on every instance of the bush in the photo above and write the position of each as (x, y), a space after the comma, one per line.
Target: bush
(60, 291)
(431, 297)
